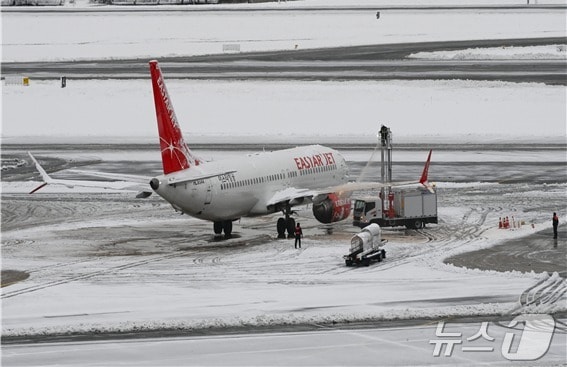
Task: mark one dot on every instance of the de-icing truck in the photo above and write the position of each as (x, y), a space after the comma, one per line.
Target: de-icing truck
(413, 209)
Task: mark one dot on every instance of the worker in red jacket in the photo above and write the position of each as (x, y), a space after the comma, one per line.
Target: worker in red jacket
(555, 222)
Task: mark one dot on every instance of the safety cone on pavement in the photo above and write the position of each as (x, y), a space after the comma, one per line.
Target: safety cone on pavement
(500, 223)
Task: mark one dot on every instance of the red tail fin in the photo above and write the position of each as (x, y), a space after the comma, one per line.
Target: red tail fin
(175, 154)
(423, 179)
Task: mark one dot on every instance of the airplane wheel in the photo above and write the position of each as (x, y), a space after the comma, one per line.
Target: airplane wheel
(290, 228)
(227, 227)
(217, 227)
(281, 228)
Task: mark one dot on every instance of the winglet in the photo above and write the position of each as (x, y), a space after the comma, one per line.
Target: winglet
(42, 172)
(39, 187)
(175, 154)
(424, 179)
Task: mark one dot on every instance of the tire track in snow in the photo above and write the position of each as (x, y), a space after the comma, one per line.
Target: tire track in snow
(546, 292)
(105, 271)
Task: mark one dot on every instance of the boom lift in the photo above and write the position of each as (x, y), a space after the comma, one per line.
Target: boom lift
(395, 206)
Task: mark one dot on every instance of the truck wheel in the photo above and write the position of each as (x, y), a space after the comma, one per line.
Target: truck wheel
(348, 262)
(366, 262)
(418, 224)
(383, 253)
(379, 257)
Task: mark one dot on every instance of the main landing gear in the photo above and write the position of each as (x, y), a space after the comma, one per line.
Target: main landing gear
(225, 225)
(286, 224)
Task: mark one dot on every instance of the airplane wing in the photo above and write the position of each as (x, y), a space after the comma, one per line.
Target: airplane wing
(114, 176)
(290, 194)
(298, 195)
(360, 186)
(139, 184)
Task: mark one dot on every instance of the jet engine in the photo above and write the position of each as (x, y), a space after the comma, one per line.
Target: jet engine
(332, 209)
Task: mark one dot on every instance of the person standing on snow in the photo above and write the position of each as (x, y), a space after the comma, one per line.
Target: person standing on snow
(555, 222)
(298, 233)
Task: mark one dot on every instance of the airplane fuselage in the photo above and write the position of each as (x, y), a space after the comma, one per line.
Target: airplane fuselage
(249, 187)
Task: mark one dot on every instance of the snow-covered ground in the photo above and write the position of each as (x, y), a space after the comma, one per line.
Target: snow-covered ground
(106, 262)
(103, 270)
(112, 35)
(462, 110)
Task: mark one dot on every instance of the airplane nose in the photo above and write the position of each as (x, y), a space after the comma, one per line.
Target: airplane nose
(154, 184)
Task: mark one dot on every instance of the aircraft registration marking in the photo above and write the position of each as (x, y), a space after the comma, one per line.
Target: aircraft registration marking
(228, 177)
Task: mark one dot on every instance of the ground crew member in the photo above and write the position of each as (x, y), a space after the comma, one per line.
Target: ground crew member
(298, 235)
(555, 224)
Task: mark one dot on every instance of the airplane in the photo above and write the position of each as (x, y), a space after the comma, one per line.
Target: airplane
(254, 185)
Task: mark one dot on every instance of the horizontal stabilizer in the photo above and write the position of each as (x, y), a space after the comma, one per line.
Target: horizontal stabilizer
(38, 188)
(143, 194)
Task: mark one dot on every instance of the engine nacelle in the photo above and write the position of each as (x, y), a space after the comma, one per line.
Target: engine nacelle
(332, 209)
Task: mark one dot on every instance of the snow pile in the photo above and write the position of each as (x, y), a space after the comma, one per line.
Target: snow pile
(262, 320)
(552, 52)
(10, 164)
